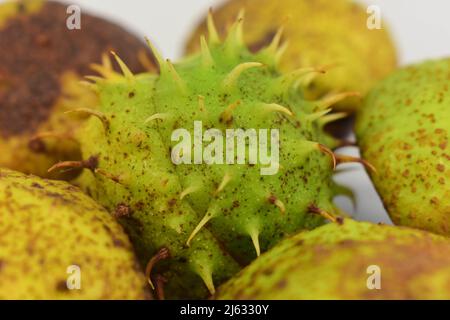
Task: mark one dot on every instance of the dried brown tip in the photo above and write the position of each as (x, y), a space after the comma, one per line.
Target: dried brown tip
(66, 165)
(329, 152)
(162, 254)
(122, 210)
(160, 281)
(227, 115)
(101, 116)
(90, 164)
(325, 214)
(349, 159)
(278, 203)
(108, 175)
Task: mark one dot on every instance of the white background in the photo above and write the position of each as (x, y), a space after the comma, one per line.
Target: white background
(421, 29)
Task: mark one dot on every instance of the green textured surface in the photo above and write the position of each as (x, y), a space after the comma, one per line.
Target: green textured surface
(137, 155)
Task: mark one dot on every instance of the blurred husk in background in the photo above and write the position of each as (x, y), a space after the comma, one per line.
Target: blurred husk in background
(40, 80)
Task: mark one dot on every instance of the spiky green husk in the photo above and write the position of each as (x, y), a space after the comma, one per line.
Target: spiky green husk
(319, 32)
(213, 219)
(403, 129)
(340, 261)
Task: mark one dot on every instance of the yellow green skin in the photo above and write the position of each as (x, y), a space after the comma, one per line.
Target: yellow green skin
(318, 33)
(331, 262)
(403, 130)
(137, 155)
(47, 226)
